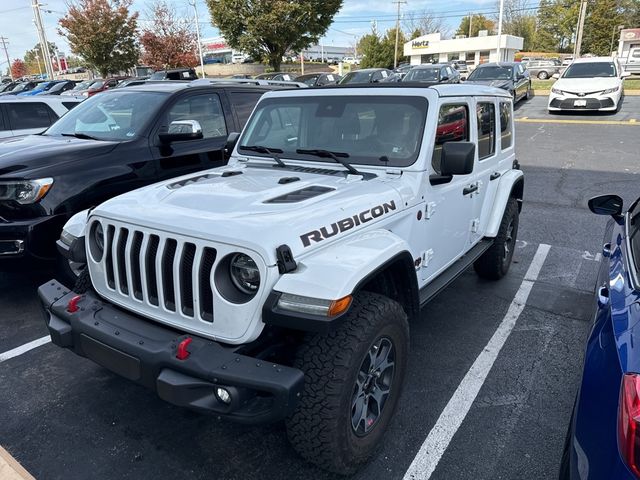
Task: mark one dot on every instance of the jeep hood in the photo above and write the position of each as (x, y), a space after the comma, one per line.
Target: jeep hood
(260, 208)
(21, 157)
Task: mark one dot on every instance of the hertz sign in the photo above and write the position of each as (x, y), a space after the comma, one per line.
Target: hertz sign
(420, 44)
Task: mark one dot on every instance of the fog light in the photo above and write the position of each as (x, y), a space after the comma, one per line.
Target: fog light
(223, 395)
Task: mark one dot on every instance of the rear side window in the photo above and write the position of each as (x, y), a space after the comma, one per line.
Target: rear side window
(486, 113)
(453, 126)
(70, 105)
(243, 103)
(505, 125)
(29, 115)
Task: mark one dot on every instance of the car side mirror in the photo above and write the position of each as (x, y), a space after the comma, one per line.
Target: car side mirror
(555, 76)
(606, 205)
(232, 139)
(457, 158)
(180, 130)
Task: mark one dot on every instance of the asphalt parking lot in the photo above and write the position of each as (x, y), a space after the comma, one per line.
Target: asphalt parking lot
(64, 417)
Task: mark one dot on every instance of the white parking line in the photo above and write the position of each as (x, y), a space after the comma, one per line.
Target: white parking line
(454, 413)
(24, 348)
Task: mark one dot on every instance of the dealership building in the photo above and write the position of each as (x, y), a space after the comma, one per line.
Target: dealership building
(474, 50)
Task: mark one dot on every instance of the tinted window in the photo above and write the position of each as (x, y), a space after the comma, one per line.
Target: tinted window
(243, 104)
(491, 73)
(204, 108)
(70, 105)
(588, 70)
(116, 115)
(29, 115)
(422, 75)
(505, 125)
(486, 130)
(369, 129)
(453, 126)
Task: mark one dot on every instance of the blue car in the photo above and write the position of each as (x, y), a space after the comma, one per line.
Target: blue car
(603, 441)
(41, 88)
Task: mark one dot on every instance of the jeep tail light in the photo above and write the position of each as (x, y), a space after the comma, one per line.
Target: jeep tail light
(629, 422)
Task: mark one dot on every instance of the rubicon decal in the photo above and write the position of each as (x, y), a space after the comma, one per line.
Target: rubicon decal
(348, 223)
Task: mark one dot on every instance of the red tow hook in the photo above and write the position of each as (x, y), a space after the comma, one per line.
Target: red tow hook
(183, 353)
(72, 306)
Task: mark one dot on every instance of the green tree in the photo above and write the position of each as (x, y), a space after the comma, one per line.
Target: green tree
(631, 13)
(268, 29)
(478, 22)
(34, 56)
(103, 32)
(378, 52)
(557, 21)
(603, 18)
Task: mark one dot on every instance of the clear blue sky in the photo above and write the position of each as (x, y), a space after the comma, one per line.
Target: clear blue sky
(354, 19)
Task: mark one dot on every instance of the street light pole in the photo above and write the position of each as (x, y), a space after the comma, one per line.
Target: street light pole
(500, 16)
(581, 19)
(395, 53)
(195, 10)
(613, 36)
(44, 46)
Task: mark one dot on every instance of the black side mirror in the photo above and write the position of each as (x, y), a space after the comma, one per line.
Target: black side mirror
(606, 205)
(232, 139)
(444, 79)
(457, 158)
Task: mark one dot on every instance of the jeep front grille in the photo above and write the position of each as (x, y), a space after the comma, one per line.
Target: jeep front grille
(161, 272)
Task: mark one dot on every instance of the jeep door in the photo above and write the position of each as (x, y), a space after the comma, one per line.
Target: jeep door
(448, 209)
(495, 153)
(185, 156)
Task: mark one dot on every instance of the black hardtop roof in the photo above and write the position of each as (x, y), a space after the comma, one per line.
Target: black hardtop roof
(168, 86)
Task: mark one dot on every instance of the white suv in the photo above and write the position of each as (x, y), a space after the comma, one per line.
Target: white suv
(281, 285)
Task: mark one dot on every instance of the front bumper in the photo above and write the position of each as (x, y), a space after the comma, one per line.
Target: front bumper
(600, 103)
(33, 238)
(145, 352)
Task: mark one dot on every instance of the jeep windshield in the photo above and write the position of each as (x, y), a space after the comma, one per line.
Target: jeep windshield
(110, 116)
(370, 130)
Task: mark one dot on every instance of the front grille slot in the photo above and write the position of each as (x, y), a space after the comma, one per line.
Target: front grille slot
(186, 278)
(134, 261)
(109, 257)
(120, 254)
(168, 288)
(150, 269)
(206, 294)
(162, 273)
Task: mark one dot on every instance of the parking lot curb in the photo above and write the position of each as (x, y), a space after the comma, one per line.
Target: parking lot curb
(631, 93)
(10, 469)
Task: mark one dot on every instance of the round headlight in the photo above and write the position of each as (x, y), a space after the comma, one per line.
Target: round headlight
(96, 241)
(244, 273)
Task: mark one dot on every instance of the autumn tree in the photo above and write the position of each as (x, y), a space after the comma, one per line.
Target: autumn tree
(270, 28)
(470, 26)
(168, 41)
(33, 58)
(18, 68)
(103, 32)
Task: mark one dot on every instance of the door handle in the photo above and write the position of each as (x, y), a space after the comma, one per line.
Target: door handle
(470, 189)
(495, 175)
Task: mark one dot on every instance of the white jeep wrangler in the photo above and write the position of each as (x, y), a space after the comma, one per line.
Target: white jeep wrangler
(281, 285)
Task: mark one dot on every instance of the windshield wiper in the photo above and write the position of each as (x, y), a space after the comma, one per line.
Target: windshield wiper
(269, 151)
(337, 157)
(83, 136)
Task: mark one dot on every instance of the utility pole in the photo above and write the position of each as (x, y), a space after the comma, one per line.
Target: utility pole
(470, 20)
(6, 52)
(395, 53)
(195, 10)
(500, 16)
(581, 18)
(44, 46)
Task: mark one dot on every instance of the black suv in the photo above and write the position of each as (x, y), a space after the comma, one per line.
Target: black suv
(175, 74)
(111, 143)
(510, 76)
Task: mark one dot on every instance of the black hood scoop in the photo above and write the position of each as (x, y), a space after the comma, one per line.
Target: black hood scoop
(301, 195)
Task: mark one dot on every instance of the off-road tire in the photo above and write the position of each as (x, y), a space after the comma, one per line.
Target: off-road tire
(320, 429)
(83, 282)
(494, 263)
